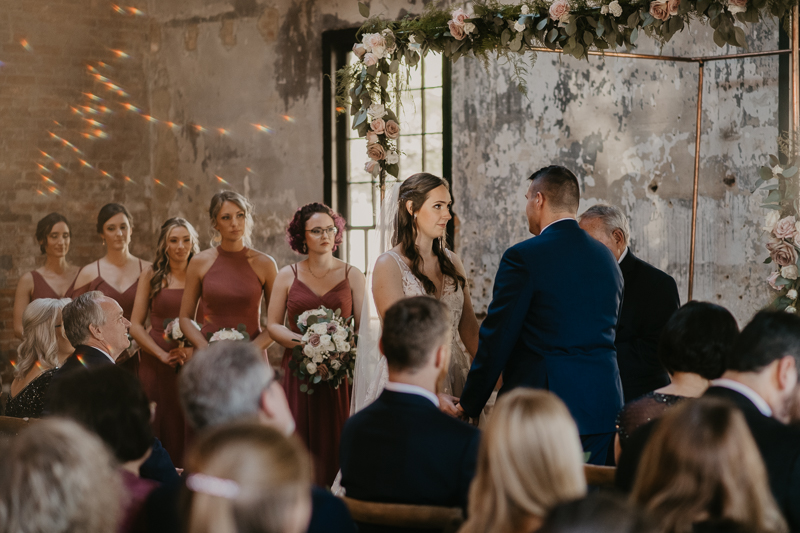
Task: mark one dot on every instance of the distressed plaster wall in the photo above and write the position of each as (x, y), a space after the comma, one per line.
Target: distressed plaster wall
(627, 128)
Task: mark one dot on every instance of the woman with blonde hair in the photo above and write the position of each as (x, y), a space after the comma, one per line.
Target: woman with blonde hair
(159, 295)
(231, 277)
(248, 478)
(702, 472)
(44, 347)
(530, 460)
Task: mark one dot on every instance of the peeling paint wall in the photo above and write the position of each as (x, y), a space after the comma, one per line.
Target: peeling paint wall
(627, 129)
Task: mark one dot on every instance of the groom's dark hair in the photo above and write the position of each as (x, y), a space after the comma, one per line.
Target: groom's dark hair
(559, 185)
(412, 329)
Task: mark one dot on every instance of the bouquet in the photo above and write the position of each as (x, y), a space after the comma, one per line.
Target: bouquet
(173, 333)
(327, 351)
(230, 334)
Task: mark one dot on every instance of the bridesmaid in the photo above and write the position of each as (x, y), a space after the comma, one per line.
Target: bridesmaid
(159, 294)
(56, 278)
(230, 276)
(321, 279)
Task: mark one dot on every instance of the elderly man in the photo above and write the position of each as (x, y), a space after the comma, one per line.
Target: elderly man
(94, 325)
(651, 297)
(227, 382)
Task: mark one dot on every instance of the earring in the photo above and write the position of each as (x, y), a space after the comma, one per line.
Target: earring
(104, 242)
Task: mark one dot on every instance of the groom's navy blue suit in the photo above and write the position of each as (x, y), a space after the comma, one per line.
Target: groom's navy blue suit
(551, 325)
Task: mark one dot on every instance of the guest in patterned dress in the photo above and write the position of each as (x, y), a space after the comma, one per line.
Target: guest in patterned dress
(44, 347)
(230, 276)
(320, 279)
(56, 278)
(159, 295)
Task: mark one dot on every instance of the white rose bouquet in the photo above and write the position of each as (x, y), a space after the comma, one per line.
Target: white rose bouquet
(173, 333)
(327, 351)
(229, 334)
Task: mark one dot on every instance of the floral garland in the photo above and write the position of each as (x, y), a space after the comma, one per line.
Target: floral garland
(779, 180)
(509, 30)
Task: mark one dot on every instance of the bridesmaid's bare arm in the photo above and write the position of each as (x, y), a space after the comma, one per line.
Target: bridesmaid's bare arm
(276, 313)
(387, 283)
(191, 295)
(21, 300)
(267, 270)
(468, 327)
(141, 308)
(357, 285)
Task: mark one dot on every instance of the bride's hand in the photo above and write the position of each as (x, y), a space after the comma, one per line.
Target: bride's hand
(447, 404)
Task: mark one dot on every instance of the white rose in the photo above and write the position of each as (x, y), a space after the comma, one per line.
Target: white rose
(525, 9)
(336, 364)
(326, 343)
(377, 110)
(392, 157)
(790, 309)
(311, 368)
(309, 350)
(340, 335)
(518, 26)
(318, 358)
(777, 171)
(772, 219)
(412, 40)
(176, 329)
(319, 328)
(470, 27)
(343, 347)
(789, 272)
(792, 294)
(604, 10)
(615, 8)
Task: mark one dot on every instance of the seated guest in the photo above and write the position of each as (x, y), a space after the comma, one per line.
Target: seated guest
(402, 448)
(599, 512)
(44, 347)
(651, 296)
(110, 402)
(94, 325)
(693, 347)
(761, 379)
(56, 477)
(702, 472)
(530, 460)
(229, 382)
(248, 478)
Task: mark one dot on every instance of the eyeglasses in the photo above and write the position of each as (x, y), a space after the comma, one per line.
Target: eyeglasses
(317, 232)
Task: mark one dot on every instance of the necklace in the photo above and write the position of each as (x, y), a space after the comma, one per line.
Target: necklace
(308, 265)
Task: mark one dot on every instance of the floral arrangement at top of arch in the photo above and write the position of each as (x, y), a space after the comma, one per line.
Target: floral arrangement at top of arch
(574, 26)
(779, 180)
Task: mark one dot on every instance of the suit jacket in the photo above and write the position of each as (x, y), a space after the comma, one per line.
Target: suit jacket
(551, 325)
(778, 443)
(402, 449)
(89, 358)
(651, 297)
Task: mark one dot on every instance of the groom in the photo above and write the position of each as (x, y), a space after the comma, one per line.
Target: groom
(552, 320)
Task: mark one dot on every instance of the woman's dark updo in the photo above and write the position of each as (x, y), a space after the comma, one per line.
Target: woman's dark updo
(296, 230)
(110, 210)
(45, 226)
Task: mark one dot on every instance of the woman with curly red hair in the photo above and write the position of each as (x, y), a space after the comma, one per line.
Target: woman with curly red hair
(320, 279)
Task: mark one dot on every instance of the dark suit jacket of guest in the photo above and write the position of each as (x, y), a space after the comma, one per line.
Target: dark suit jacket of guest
(551, 325)
(778, 443)
(651, 297)
(402, 449)
(91, 357)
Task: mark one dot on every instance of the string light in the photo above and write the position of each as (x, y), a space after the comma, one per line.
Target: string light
(199, 128)
(44, 168)
(182, 185)
(221, 180)
(131, 107)
(264, 129)
(93, 97)
(118, 9)
(287, 118)
(129, 180)
(121, 54)
(158, 182)
(26, 45)
(48, 156)
(223, 131)
(136, 12)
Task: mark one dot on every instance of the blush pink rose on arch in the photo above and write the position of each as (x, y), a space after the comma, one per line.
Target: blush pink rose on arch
(673, 6)
(370, 59)
(378, 126)
(785, 228)
(783, 253)
(559, 9)
(392, 129)
(376, 152)
(460, 17)
(456, 30)
(772, 279)
(659, 10)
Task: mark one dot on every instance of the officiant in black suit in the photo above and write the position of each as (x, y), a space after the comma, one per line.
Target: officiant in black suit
(553, 316)
(651, 297)
(402, 448)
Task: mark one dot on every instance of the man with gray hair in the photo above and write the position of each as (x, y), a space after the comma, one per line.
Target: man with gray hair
(94, 325)
(651, 296)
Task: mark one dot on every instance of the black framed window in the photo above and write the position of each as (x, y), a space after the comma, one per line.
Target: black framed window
(424, 115)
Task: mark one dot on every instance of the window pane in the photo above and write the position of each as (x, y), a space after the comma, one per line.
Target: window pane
(358, 251)
(372, 235)
(361, 205)
(411, 163)
(357, 150)
(415, 77)
(434, 145)
(410, 113)
(433, 70)
(433, 110)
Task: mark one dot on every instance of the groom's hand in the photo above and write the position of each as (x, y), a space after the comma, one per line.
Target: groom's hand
(447, 404)
(460, 414)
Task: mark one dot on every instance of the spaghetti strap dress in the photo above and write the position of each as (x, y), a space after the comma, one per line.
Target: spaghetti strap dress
(42, 289)
(231, 293)
(160, 381)
(319, 416)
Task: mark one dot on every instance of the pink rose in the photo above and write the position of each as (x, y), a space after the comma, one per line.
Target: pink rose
(455, 30)
(673, 6)
(659, 10)
(313, 340)
(460, 17)
(785, 228)
(783, 253)
(374, 41)
(370, 59)
(372, 167)
(376, 152)
(772, 279)
(331, 328)
(372, 137)
(378, 126)
(392, 129)
(737, 6)
(359, 50)
(559, 9)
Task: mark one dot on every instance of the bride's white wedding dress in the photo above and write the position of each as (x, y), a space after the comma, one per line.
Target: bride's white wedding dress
(453, 298)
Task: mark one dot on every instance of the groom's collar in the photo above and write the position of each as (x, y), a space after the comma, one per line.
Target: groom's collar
(405, 388)
(556, 222)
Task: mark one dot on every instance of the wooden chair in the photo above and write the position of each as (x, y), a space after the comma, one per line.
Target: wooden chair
(600, 476)
(448, 519)
(10, 426)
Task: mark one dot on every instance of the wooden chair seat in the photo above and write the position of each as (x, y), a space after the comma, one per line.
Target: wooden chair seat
(600, 476)
(448, 519)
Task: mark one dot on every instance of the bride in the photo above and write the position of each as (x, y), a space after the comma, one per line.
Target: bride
(419, 264)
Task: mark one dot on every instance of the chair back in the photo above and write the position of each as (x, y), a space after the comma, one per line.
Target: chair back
(600, 476)
(446, 519)
(11, 426)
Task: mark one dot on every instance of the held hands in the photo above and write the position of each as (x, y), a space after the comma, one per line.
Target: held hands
(175, 357)
(448, 404)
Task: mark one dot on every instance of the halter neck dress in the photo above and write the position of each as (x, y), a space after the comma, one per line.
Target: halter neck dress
(319, 416)
(42, 289)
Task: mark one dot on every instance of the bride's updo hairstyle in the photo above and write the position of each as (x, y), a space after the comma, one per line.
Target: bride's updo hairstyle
(416, 189)
(242, 203)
